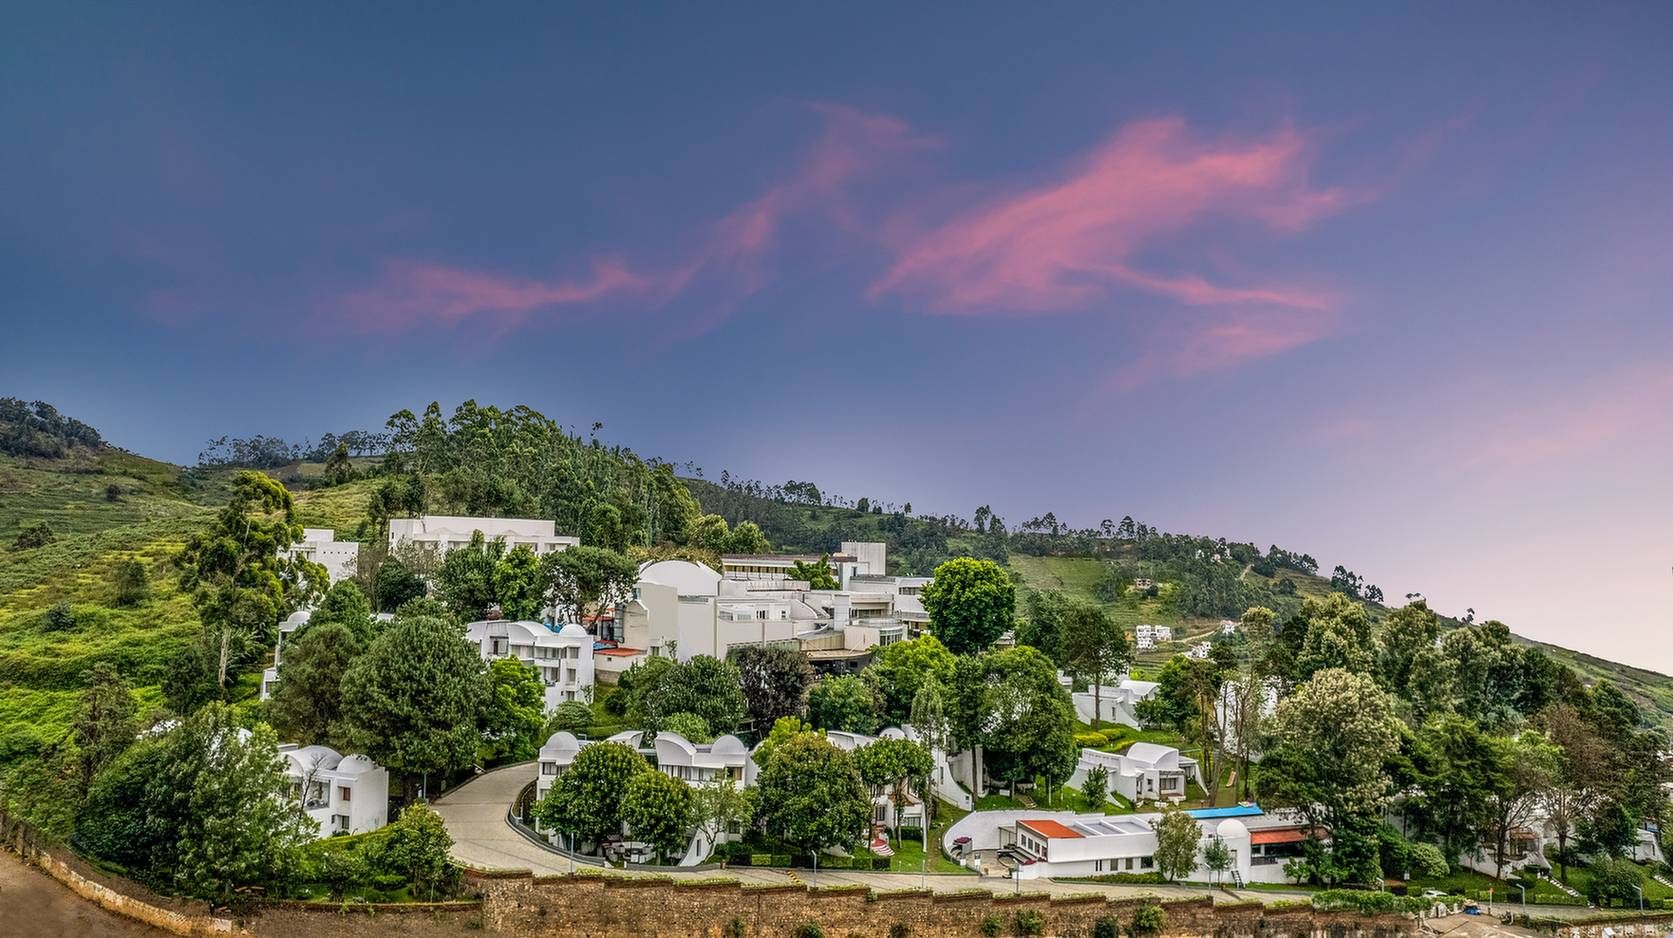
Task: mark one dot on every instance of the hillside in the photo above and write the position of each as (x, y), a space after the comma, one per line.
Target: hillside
(105, 506)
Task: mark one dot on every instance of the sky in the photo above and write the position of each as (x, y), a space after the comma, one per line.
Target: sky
(1383, 283)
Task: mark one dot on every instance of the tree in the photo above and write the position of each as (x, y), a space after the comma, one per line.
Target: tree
(784, 729)
(586, 802)
(571, 716)
(1332, 738)
(1095, 788)
(130, 583)
(339, 470)
(1583, 765)
(105, 723)
(588, 577)
(1406, 633)
(711, 533)
(516, 711)
(811, 795)
(970, 604)
(1010, 703)
(1527, 765)
(1095, 648)
(929, 716)
(239, 582)
(520, 584)
(32, 536)
(1176, 843)
(844, 703)
(1044, 612)
(59, 617)
(774, 680)
(346, 605)
(1338, 636)
(1487, 665)
(1614, 880)
(706, 686)
(465, 580)
(396, 583)
(747, 538)
(236, 823)
(894, 767)
(308, 703)
(659, 810)
(414, 700)
(817, 574)
(418, 848)
(723, 806)
(899, 670)
(692, 727)
(1217, 857)
(1456, 768)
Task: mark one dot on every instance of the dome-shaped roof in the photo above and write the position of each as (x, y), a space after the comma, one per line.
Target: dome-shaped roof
(1232, 829)
(299, 617)
(356, 765)
(573, 630)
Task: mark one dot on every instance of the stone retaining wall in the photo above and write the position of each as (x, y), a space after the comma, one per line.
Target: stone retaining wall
(185, 924)
(530, 907)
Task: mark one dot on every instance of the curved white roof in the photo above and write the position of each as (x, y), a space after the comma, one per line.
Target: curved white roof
(560, 743)
(310, 758)
(573, 630)
(687, 577)
(1232, 829)
(729, 745)
(356, 765)
(1152, 753)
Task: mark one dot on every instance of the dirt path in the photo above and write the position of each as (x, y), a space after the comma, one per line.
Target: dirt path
(34, 904)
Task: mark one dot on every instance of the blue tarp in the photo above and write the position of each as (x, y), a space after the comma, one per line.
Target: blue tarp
(1205, 814)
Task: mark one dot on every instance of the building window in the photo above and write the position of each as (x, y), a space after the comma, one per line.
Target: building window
(548, 768)
(344, 792)
(1146, 863)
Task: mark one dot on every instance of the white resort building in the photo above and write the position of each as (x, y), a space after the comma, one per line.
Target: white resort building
(320, 545)
(1145, 772)
(442, 533)
(343, 794)
(1116, 703)
(564, 657)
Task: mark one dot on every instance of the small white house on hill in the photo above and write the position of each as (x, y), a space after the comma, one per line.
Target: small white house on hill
(564, 657)
(1145, 772)
(320, 545)
(347, 794)
(1116, 703)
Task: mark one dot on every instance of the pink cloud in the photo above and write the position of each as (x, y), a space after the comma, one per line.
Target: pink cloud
(1057, 246)
(412, 294)
(1573, 423)
(1228, 339)
(730, 255)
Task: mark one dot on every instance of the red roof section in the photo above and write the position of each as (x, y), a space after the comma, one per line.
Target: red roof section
(1049, 829)
(618, 652)
(1281, 835)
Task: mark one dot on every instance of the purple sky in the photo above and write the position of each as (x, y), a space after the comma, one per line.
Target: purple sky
(1388, 285)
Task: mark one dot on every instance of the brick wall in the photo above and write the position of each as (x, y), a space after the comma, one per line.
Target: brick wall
(529, 907)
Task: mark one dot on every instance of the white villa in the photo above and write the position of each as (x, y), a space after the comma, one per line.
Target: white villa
(682, 609)
(1114, 704)
(341, 793)
(1153, 633)
(270, 676)
(1145, 772)
(1049, 844)
(941, 777)
(564, 657)
(1199, 651)
(1227, 626)
(672, 754)
(442, 533)
(320, 545)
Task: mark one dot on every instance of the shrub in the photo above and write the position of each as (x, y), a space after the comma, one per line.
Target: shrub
(1089, 739)
(735, 929)
(1148, 919)
(1030, 922)
(38, 534)
(911, 833)
(990, 925)
(762, 859)
(113, 492)
(1364, 902)
(1106, 927)
(131, 583)
(781, 859)
(60, 618)
(880, 863)
(810, 930)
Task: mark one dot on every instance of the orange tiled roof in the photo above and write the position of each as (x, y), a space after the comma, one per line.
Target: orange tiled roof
(1049, 829)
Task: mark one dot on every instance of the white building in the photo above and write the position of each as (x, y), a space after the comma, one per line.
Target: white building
(1158, 633)
(442, 533)
(1145, 772)
(564, 657)
(341, 793)
(1114, 703)
(1199, 651)
(1227, 626)
(341, 559)
(270, 677)
(1051, 844)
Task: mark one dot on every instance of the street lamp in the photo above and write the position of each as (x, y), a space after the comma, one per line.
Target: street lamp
(1640, 892)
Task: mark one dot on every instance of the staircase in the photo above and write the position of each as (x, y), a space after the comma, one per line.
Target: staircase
(1662, 880)
(1237, 879)
(1561, 886)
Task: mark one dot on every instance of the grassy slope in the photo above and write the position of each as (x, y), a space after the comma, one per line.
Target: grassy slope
(41, 671)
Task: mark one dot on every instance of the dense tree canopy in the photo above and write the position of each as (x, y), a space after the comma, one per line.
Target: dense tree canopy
(970, 604)
(811, 795)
